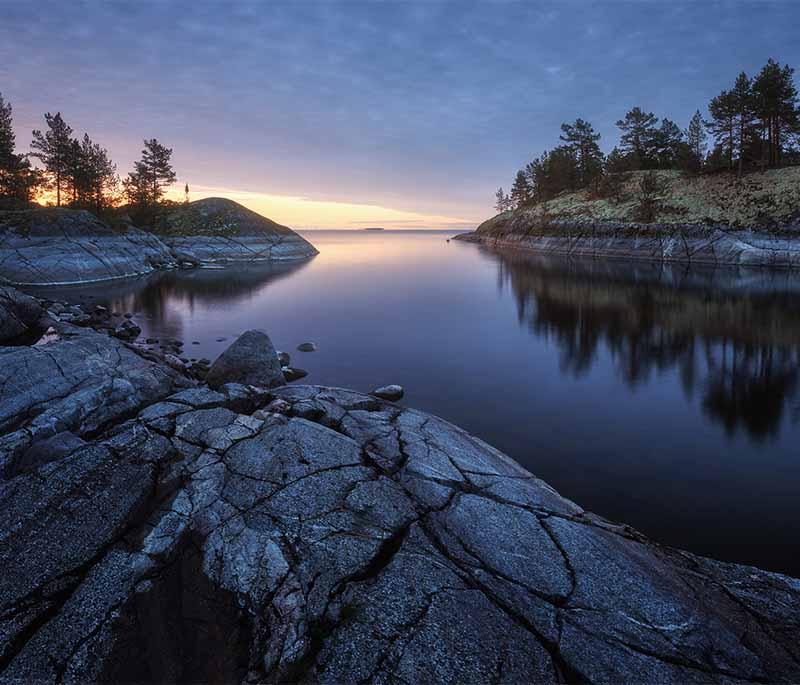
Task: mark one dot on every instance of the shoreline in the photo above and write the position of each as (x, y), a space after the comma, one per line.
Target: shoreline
(690, 245)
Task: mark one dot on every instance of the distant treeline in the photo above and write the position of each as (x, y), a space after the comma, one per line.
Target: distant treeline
(79, 172)
(754, 125)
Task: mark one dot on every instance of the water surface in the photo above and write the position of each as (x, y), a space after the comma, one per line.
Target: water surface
(663, 397)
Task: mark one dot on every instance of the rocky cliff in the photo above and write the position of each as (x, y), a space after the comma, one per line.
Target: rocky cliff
(158, 533)
(57, 246)
(220, 230)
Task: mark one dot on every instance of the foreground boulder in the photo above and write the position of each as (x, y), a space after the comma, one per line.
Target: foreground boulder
(251, 360)
(219, 230)
(57, 246)
(19, 314)
(320, 535)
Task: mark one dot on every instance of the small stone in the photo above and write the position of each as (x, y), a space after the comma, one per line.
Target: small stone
(389, 392)
(284, 358)
(292, 374)
(307, 347)
(278, 407)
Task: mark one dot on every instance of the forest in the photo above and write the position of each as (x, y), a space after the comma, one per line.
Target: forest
(753, 125)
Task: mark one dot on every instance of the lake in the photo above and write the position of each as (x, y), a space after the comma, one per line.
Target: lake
(663, 397)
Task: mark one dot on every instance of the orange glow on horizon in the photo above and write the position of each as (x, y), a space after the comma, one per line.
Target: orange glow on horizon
(302, 213)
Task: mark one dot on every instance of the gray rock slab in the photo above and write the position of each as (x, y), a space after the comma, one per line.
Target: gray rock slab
(332, 537)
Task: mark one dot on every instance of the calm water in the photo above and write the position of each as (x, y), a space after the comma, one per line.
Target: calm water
(664, 398)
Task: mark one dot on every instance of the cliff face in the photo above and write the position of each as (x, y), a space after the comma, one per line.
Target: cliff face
(754, 221)
(219, 230)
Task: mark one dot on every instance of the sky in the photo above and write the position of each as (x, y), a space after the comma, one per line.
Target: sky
(328, 114)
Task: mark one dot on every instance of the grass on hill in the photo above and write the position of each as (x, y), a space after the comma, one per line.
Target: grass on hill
(757, 199)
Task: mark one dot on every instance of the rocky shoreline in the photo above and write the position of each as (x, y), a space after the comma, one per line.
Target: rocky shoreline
(155, 529)
(701, 244)
(57, 246)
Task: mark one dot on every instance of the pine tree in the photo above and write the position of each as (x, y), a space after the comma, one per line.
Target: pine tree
(696, 140)
(97, 180)
(581, 138)
(744, 115)
(723, 123)
(53, 149)
(155, 168)
(7, 139)
(617, 163)
(501, 201)
(638, 136)
(669, 145)
(136, 189)
(17, 178)
(775, 102)
(552, 173)
(520, 191)
(186, 194)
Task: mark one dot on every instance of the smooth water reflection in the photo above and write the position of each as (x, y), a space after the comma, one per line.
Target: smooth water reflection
(664, 397)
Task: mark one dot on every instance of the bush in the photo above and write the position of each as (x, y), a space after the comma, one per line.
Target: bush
(650, 187)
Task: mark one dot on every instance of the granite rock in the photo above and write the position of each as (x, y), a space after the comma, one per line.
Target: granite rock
(312, 534)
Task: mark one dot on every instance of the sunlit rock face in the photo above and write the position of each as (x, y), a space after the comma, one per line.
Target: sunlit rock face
(315, 534)
(55, 246)
(220, 230)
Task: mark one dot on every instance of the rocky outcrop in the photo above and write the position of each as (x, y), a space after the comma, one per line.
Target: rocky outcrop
(251, 360)
(703, 244)
(220, 230)
(320, 535)
(57, 246)
(19, 315)
(74, 383)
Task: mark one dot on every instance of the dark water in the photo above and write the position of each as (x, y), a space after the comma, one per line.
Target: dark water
(663, 397)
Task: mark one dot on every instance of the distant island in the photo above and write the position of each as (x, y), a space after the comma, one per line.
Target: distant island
(373, 228)
(660, 195)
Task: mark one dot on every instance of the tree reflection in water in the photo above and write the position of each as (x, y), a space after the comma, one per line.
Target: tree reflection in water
(733, 335)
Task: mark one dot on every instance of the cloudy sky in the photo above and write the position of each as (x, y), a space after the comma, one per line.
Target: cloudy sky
(370, 113)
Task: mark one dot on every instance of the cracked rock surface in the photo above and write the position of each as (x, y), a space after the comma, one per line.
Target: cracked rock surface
(316, 534)
(686, 243)
(56, 246)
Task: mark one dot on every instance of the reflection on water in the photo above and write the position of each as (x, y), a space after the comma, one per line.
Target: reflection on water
(664, 397)
(733, 336)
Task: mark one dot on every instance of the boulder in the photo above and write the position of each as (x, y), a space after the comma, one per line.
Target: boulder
(329, 536)
(307, 347)
(389, 392)
(19, 314)
(219, 230)
(250, 359)
(56, 246)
